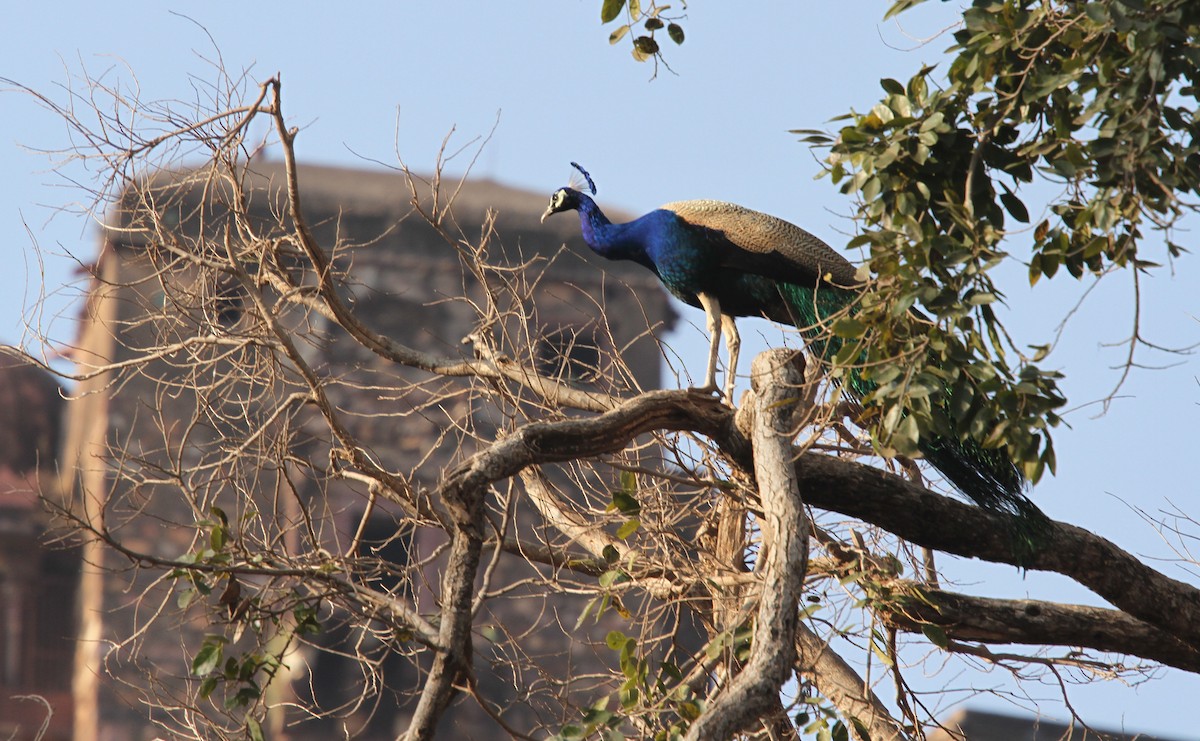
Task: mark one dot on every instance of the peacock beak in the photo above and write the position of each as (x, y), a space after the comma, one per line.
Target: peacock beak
(548, 212)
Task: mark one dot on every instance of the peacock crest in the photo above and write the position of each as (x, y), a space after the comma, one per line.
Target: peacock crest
(580, 179)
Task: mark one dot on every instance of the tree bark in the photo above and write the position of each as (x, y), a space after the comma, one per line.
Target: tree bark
(779, 401)
(1037, 622)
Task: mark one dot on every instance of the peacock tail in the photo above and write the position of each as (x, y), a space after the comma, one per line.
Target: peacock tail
(986, 475)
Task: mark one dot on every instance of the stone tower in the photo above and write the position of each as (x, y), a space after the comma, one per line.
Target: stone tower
(406, 284)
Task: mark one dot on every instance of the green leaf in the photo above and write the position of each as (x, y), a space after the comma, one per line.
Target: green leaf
(629, 527)
(675, 31)
(594, 717)
(1015, 207)
(689, 710)
(186, 597)
(644, 47)
(936, 635)
(671, 671)
(629, 482)
(208, 686)
(849, 328)
(571, 732)
(594, 604)
(244, 697)
(217, 538)
(812, 136)
(611, 577)
(1096, 13)
(207, 659)
(932, 121)
(879, 654)
(848, 355)
(254, 729)
(716, 646)
(900, 6)
(860, 728)
(625, 503)
(906, 435)
(610, 10)
(629, 696)
(871, 189)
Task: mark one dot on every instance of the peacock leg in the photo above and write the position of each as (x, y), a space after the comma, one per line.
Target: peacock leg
(712, 315)
(733, 341)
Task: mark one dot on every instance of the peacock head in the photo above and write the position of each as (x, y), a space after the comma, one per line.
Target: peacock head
(563, 199)
(569, 198)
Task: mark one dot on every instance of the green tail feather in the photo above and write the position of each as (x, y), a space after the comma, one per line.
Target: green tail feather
(987, 476)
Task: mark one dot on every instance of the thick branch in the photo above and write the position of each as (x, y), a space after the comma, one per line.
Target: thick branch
(969, 618)
(866, 493)
(463, 492)
(778, 402)
(935, 521)
(571, 524)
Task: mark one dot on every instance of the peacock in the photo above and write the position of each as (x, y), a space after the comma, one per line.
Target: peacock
(732, 261)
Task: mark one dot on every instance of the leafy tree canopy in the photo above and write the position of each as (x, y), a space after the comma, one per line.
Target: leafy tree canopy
(1096, 103)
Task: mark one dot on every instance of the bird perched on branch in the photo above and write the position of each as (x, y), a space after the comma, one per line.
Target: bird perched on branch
(732, 261)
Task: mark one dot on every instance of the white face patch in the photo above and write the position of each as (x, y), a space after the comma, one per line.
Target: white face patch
(557, 199)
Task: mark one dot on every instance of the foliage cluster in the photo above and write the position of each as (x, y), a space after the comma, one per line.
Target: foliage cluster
(1093, 102)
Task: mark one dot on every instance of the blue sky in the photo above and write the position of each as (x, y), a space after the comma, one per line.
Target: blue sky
(367, 80)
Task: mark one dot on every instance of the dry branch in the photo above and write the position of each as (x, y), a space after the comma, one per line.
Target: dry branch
(1036, 622)
(781, 402)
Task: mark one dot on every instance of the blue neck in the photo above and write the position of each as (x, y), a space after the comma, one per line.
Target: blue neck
(614, 241)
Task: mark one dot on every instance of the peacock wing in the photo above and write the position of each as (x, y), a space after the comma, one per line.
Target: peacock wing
(765, 245)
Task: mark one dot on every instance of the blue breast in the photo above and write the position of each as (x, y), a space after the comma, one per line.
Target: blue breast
(689, 260)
